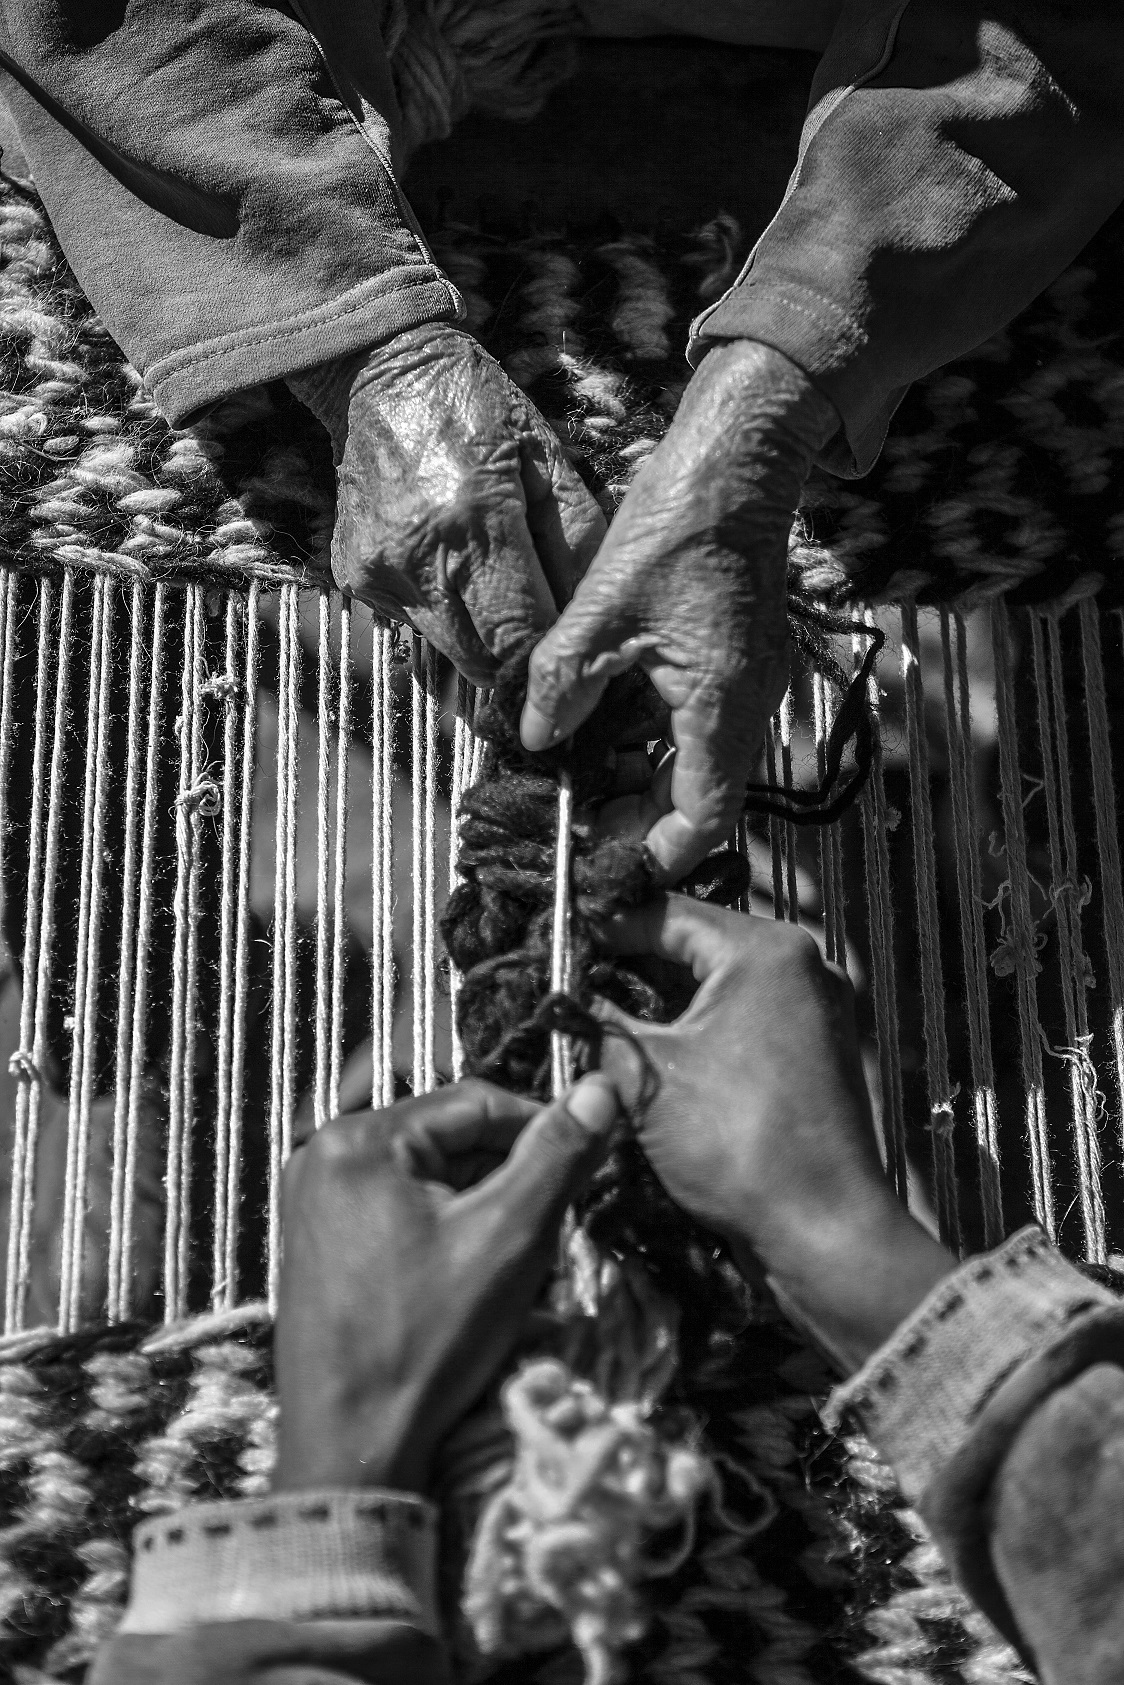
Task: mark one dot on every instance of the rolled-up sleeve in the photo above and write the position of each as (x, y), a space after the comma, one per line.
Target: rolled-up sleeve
(226, 199)
(957, 154)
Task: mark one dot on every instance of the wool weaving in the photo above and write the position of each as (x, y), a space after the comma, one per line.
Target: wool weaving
(192, 973)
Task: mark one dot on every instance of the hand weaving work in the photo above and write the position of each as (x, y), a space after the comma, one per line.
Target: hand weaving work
(430, 1245)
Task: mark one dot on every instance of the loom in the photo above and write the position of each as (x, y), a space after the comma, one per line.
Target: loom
(225, 799)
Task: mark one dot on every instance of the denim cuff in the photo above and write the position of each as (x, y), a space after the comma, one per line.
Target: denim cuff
(295, 1556)
(920, 1394)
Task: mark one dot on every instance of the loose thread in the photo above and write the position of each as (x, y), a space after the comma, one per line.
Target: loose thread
(1108, 845)
(1084, 1099)
(227, 941)
(145, 907)
(880, 906)
(322, 1076)
(941, 1117)
(242, 940)
(1023, 940)
(429, 1002)
(339, 884)
(78, 1017)
(958, 719)
(561, 1050)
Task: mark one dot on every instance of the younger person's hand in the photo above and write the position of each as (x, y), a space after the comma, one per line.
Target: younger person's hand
(407, 1278)
(761, 1126)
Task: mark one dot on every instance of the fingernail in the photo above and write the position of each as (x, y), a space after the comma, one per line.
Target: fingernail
(536, 730)
(594, 1103)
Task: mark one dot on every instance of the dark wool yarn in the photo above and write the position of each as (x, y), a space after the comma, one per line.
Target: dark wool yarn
(498, 924)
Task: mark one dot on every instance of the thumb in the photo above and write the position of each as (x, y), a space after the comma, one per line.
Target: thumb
(557, 1152)
(633, 1053)
(589, 644)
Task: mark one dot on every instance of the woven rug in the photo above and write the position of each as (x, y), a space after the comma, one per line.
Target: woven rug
(997, 479)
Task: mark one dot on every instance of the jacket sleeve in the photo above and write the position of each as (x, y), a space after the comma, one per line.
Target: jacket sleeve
(1000, 1406)
(221, 179)
(275, 1590)
(957, 154)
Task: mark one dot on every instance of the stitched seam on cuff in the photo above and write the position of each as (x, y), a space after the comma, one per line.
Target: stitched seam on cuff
(365, 294)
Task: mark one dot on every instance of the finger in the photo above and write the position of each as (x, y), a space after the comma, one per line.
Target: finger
(631, 1051)
(555, 1155)
(467, 1119)
(563, 517)
(684, 931)
(717, 740)
(595, 638)
(633, 816)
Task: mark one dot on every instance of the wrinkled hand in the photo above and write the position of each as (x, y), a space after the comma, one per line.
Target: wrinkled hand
(406, 1278)
(457, 511)
(761, 1126)
(691, 583)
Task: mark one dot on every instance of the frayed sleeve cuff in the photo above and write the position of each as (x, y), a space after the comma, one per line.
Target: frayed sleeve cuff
(295, 1556)
(921, 1393)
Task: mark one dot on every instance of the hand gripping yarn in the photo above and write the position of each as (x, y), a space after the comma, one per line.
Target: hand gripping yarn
(606, 1482)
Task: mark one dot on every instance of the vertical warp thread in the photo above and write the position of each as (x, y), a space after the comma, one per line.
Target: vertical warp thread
(138, 1039)
(789, 830)
(430, 870)
(561, 1053)
(831, 866)
(126, 971)
(323, 1022)
(957, 701)
(1108, 845)
(292, 703)
(23, 1066)
(1023, 942)
(339, 886)
(880, 907)
(1065, 894)
(382, 869)
(227, 942)
(417, 866)
(941, 1119)
(78, 1015)
(776, 851)
(88, 1049)
(461, 759)
(277, 1038)
(179, 1053)
(42, 952)
(242, 940)
(202, 803)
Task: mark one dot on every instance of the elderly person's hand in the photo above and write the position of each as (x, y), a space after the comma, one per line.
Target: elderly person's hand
(761, 1126)
(457, 511)
(407, 1278)
(691, 583)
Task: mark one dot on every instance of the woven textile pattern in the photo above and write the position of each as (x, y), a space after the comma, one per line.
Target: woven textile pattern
(999, 470)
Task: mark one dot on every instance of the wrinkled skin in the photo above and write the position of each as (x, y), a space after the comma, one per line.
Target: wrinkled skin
(691, 583)
(459, 514)
(761, 1125)
(457, 510)
(416, 1242)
